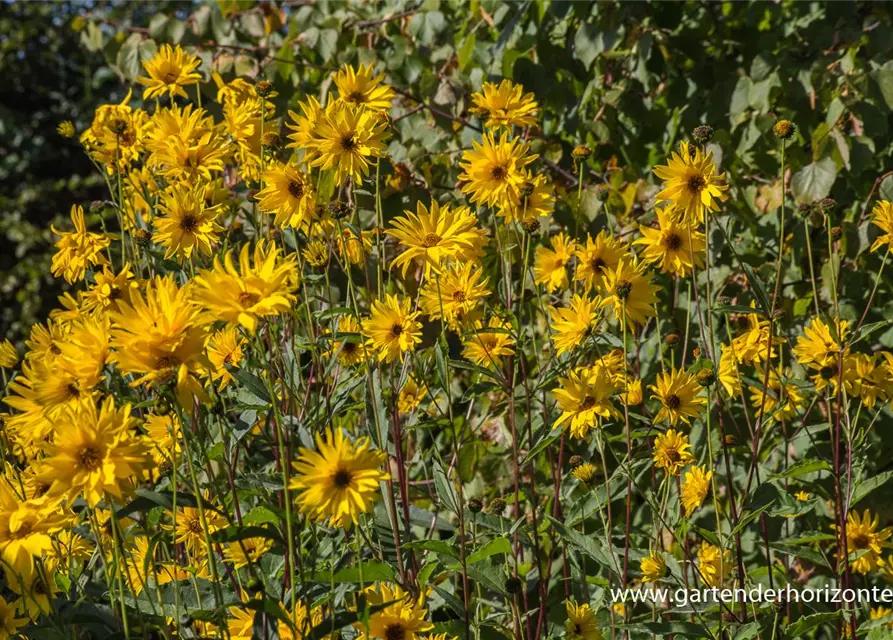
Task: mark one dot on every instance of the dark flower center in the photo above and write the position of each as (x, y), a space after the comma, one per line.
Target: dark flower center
(189, 223)
(672, 241)
(349, 347)
(673, 401)
(696, 183)
(73, 390)
(588, 403)
(623, 289)
(348, 143)
(195, 525)
(459, 296)
(396, 330)
(115, 293)
(167, 362)
(431, 240)
(295, 189)
(394, 631)
(341, 478)
(357, 96)
(860, 541)
(597, 264)
(499, 172)
(673, 455)
(90, 458)
(248, 299)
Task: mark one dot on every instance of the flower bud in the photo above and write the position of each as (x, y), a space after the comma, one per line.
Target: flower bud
(706, 377)
(338, 209)
(836, 233)
(271, 140)
(784, 129)
(671, 339)
(263, 88)
(702, 134)
(581, 152)
(513, 585)
(66, 129)
(475, 505)
(575, 461)
(496, 506)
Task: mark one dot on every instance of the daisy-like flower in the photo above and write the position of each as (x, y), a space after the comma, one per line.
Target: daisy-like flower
(349, 139)
(190, 530)
(653, 567)
(349, 348)
(109, 289)
(584, 473)
(536, 199)
(678, 392)
(404, 619)
(115, 136)
(169, 71)
(882, 217)
(597, 257)
(9, 624)
(225, 350)
(79, 249)
(493, 170)
(243, 552)
(673, 246)
(863, 537)
(714, 564)
(633, 395)
(550, 265)
(262, 286)
(504, 105)
(26, 527)
(339, 480)
(392, 329)
(817, 345)
(434, 235)
(574, 324)
(581, 623)
(164, 435)
(454, 295)
(751, 346)
(189, 225)
(783, 401)
(585, 400)
(305, 129)
(486, 347)
(865, 378)
(316, 253)
(289, 195)
(411, 395)
(692, 183)
(695, 488)
(97, 454)
(363, 88)
(671, 452)
(9, 357)
(630, 290)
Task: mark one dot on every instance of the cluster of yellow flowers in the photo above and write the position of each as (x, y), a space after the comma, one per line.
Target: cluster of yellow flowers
(239, 251)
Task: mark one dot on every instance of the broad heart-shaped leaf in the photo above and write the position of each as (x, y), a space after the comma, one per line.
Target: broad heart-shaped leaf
(814, 181)
(589, 41)
(883, 77)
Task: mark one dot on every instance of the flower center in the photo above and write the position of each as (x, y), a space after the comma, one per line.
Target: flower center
(195, 525)
(341, 478)
(90, 458)
(356, 96)
(672, 241)
(623, 289)
(860, 541)
(167, 362)
(499, 172)
(588, 403)
(672, 401)
(696, 183)
(597, 264)
(394, 631)
(73, 390)
(348, 143)
(431, 240)
(248, 299)
(673, 455)
(396, 330)
(115, 293)
(295, 189)
(349, 347)
(170, 77)
(189, 223)
(459, 296)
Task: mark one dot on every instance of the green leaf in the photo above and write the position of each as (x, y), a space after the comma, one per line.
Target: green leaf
(804, 624)
(466, 51)
(586, 544)
(814, 181)
(802, 468)
(372, 572)
(254, 384)
(445, 489)
(590, 41)
(495, 546)
(864, 488)
(758, 287)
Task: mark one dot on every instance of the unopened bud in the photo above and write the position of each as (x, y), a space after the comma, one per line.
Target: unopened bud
(784, 129)
(702, 134)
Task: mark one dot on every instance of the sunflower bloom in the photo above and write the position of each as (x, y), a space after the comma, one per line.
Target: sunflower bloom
(404, 619)
(817, 345)
(339, 480)
(695, 488)
(676, 248)
(363, 88)
(581, 623)
(671, 452)
(575, 323)
(9, 357)
(550, 265)
(678, 393)
(653, 567)
(189, 225)
(691, 183)
(504, 105)
(714, 564)
(392, 329)
(169, 71)
(882, 218)
(630, 292)
(862, 537)
(349, 348)
(597, 257)
(79, 249)
(493, 170)
(454, 295)
(350, 139)
(585, 400)
(289, 195)
(225, 350)
(536, 199)
(486, 347)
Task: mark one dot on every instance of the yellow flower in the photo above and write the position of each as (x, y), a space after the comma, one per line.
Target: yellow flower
(247, 550)
(674, 246)
(169, 71)
(362, 88)
(581, 623)
(351, 248)
(9, 357)
(782, 401)
(339, 480)
(349, 348)
(402, 620)
(316, 253)
(632, 393)
(584, 472)
(66, 129)
(752, 346)
(261, 287)
(597, 257)
(114, 139)
(728, 372)
(882, 217)
(289, 195)
(392, 329)
(671, 452)
(67, 548)
(36, 591)
(349, 139)
(653, 567)
(574, 324)
(432, 236)
(25, 527)
(504, 105)
(305, 136)
(691, 183)
(191, 159)
(865, 378)
(880, 613)
(97, 454)
(79, 249)
(678, 392)
(189, 224)
(9, 624)
(161, 335)
(454, 295)
(411, 395)
(164, 436)
(225, 349)
(585, 400)
(190, 531)
(817, 345)
(629, 289)
(863, 538)
(487, 348)
(494, 170)
(802, 496)
(550, 265)
(536, 199)
(109, 289)
(713, 565)
(695, 488)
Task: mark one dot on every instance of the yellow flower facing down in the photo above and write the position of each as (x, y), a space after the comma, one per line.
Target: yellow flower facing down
(339, 480)
(863, 538)
(585, 400)
(493, 170)
(225, 350)
(678, 392)
(362, 88)
(695, 488)
(96, 455)
(411, 395)
(431, 236)
(115, 138)
(653, 567)
(782, 401)
(164, 437)
(575, 323)
(714, 565)
(692, 184)
(190, 531)
(671, 452)
(78, 250)
(392, 329)
(26, 528)
(597, 257)
(453, 295)
(401, 620)
(9, 623)
(675, 247)
(550, 265)
(752, 346)
(262, 286)
(243, 552)
(581, 623)
(349, 139)
(728, 372)
(882, 217)
(630, 292)
(487, 348)
(188, 225)
(289, 195)
(504, 105)
(169, 71)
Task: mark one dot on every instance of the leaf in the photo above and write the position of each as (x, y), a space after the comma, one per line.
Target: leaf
(802, 468)
(445, 489)
(758, 287)
(864, 488)
(254, 384)
(814, 181)
(372, 572)
(590, 41)
(804, 624)
(466, 51)
(883, 78)
(495, 546)
(586, 544)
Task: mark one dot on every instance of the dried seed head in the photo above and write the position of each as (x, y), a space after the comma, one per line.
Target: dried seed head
(706, 377)
(671, 339)
(263, 88)
(702, 134)
(475, 505)
(496, 506)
